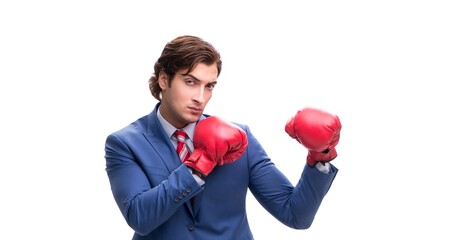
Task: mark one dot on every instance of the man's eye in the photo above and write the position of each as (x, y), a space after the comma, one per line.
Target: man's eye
(190, 82)
(211, 86)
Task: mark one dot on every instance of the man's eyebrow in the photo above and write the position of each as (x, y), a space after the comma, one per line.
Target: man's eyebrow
(192, 76)
(196, 79)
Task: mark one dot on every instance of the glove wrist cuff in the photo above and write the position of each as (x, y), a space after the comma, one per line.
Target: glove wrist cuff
(325, 156)
(200, 162)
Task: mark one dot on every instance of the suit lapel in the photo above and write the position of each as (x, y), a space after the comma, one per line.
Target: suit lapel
(159, 141)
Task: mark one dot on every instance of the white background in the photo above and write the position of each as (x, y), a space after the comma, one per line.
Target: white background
(72, 72)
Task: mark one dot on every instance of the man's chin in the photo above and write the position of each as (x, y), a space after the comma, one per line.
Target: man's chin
(191, 118)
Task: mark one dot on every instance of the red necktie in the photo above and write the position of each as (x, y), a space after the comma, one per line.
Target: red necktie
(181, 148)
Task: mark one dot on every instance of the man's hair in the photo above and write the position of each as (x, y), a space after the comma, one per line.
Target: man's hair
(183, 52)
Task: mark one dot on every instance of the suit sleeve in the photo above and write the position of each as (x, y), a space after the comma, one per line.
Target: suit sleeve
(294, 206)
(144, 206)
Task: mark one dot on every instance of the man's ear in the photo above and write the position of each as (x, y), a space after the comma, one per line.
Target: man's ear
(163, 80)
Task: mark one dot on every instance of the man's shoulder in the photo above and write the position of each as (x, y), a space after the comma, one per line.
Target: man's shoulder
(241, 125)
(132, 128)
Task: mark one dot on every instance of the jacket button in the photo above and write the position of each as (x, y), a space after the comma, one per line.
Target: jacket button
(188, 190)
(180, 196)
(176, 200)
(191, 227)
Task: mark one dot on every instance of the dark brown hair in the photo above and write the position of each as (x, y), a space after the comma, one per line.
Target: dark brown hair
(183, 52)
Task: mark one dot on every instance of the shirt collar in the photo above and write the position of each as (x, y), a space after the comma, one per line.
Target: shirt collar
(170, 129)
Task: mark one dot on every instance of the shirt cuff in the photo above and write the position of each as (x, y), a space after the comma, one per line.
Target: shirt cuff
(197, 178)
(323, 167)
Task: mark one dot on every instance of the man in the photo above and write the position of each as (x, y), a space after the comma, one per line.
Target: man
(197, 190)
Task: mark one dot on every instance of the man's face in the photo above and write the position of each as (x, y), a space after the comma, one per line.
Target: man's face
(185, 99)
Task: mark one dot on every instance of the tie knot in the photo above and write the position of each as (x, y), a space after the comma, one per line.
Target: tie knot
(181, 148)
(180, 135)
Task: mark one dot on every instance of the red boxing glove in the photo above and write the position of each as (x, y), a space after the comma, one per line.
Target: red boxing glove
(216, 142)
(318, 131)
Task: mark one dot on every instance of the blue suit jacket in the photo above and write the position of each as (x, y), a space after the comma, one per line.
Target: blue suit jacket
(152, 188)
